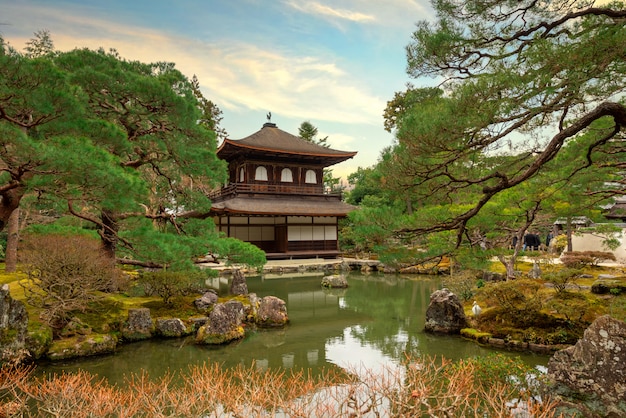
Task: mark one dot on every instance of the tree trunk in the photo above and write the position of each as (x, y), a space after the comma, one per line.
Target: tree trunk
(409, 206)
(13, 237)
(9, 201)
(509, 265)
(569, 235)
(109, 233)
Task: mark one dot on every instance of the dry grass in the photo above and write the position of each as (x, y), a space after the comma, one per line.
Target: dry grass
(422, 387)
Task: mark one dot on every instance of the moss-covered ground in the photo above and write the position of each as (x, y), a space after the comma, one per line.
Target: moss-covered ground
(541, 310)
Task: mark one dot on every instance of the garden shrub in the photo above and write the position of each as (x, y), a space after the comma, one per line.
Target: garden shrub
(580, 259)
(170, 284)
(560, 279)
(64, 273)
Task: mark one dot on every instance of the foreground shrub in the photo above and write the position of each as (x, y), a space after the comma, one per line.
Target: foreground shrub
(491, 386)
(64, 275)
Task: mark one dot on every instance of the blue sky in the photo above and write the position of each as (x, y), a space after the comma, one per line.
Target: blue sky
(335, 63)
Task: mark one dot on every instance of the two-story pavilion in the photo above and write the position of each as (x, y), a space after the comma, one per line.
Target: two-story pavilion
(275, 197)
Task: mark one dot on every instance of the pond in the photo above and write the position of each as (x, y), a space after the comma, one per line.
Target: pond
(375, 322)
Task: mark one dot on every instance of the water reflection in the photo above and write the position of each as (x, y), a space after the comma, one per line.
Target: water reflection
(375, 322)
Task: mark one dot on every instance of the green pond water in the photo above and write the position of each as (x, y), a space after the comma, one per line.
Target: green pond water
(374, 323)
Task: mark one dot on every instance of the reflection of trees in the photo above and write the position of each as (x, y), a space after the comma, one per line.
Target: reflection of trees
(398, 306)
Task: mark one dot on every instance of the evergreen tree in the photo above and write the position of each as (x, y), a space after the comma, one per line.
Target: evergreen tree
(521, 79)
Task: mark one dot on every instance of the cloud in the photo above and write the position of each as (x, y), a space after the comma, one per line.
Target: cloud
(388, 13)
(234, 74)
(323, 10)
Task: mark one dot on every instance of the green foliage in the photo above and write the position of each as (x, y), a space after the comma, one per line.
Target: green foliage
(370, 227)
(560, 243)
(497, 368)
(519, 299)
(60, 228)
(560, 279)
(486, 158)
(170, 284)
(234, 251)
(112, 142)
(461, 284)
(574, 306)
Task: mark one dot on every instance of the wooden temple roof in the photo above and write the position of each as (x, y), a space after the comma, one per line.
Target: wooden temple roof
(271, 141)
(618, 210)
(288, 207)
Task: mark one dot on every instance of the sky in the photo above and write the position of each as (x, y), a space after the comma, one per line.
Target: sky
(334, 63)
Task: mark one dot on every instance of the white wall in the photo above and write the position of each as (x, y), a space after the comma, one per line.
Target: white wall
(589, 242)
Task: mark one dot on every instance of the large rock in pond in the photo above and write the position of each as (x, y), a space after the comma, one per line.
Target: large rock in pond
(272, 312)
(224, 324)
(171, 328)
(238, 285)
(590, 377)
(335, 281)
(13, 328)
(445, 313)
(139, 325)
(205, 302)
(82, 346)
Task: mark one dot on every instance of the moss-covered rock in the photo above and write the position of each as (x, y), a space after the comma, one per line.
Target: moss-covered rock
(207, 336)
(38, 339)
(82, 346)
(603, 286)
(171, 328)
(139, 325)
(474, 334)
(224, 324)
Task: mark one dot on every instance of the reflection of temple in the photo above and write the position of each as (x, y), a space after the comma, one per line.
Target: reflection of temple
(319, 317)
(275, 197)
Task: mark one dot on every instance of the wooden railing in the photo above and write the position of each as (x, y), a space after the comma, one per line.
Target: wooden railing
(234, 189)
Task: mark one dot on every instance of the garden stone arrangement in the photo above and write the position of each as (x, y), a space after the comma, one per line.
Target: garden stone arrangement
(218, 322)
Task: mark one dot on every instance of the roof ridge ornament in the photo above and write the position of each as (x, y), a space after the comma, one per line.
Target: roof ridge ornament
(269, 123)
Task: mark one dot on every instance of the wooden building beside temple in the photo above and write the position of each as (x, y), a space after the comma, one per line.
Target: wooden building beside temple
(275, 197)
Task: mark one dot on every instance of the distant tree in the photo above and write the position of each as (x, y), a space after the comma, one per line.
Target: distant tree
(39, 46)
(309, 133)
(211, 115)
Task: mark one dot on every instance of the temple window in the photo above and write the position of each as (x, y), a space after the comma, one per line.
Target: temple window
(242, 175)
(286, 176)
(260, 173)
(310, 178)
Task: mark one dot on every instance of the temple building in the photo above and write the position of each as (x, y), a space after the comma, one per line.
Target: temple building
(275, 197)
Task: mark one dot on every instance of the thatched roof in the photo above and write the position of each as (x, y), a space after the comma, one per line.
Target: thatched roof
(273, 141)
(269, 206)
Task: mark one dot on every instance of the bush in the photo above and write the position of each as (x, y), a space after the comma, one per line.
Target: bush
(64, 275)
(462, 284)
(517, 301)
(561, 278)
(580, 259)
(492, 386)
(170, 284)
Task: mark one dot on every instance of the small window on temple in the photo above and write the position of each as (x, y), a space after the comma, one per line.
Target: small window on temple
(242, 175)
(286, 176)
(261, 173)
(311, 178)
